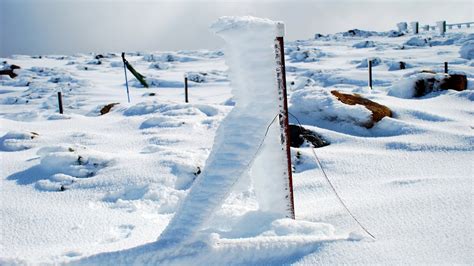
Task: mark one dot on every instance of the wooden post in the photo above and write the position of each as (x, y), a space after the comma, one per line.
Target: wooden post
(60, 102)
(186, 88)
(446, 67)
(370, 73)
(283, 116)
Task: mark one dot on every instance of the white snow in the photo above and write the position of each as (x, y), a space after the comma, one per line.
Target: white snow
(83, 184)
(467, 50)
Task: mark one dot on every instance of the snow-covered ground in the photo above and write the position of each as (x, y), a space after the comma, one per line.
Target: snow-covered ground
(81, 184)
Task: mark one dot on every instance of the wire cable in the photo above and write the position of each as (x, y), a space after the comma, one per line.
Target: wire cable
(332, 186)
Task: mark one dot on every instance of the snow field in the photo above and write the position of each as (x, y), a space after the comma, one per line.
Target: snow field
(408, 179)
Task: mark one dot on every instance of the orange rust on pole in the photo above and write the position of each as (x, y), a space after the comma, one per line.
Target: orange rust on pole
(283, 117)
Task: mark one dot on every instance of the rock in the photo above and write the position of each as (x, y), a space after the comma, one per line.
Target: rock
(378, 111)
(107, 108)
(299, 134)
(456, 82)
(198, 77)
(395, 33)
(430, 83)
(359, 33)
(398, 66)
(9, 70)
(318, 36)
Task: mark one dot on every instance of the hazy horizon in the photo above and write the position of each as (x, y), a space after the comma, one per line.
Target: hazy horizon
(66, 27)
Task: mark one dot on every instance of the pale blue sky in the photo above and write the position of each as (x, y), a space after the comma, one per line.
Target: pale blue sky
(67, 26)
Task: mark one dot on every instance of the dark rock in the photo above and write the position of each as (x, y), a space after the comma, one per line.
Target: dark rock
(402, 65)
(318, 36)
(299, 134)
(429, 83)
(10, 71)
(107, 108)
(395, 33)
(456, 82)
(378, 111)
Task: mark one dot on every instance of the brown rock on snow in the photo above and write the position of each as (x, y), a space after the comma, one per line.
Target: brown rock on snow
(429, 84)
(456, 82)
(378, 111)
(107, 108)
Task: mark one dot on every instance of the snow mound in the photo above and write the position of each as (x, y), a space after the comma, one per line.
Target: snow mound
(417, 41)
(17, 141)
(173, 109)
(161, 121)
(160, 65)
(75, 161)
(157, 83)
(301, 83)
(359, 33)
(167, 57)
(364, 44)
(398, 65)
(162, 199)
(467, 50)
(365, 63)
(306, 55)
(319, 104)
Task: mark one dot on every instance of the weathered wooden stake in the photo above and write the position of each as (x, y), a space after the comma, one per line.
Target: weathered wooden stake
(446, 67)
(60, 101)
(283, 116)
(370, 73)
(186, 88)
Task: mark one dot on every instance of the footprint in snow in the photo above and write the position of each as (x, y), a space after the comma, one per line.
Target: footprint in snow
(120, 232)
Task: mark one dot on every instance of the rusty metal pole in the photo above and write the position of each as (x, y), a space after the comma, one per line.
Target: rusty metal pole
(60, 102)
(283, 116)
(186, 88)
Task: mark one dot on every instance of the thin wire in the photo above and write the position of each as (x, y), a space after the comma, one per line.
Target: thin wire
(259, 147)
(332, 186)
(263, 140)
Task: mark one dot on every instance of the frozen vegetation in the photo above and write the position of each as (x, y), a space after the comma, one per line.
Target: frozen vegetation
(159, 181)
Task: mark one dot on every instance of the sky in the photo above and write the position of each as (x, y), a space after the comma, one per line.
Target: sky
(37, 27)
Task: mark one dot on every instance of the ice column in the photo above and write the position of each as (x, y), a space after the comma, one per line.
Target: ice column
(250, 56)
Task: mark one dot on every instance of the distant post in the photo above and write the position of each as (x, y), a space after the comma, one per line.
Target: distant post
(414, 27)
(446, 67)
(370, 73)
(441, 27)
(186, 88)
(60, 102)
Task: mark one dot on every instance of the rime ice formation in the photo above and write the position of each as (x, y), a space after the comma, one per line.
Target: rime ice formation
(250, 56)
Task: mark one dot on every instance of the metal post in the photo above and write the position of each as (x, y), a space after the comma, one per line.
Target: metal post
(126, 79)
(60, 102)
(186, 88)
(446, 67)
(283, 117)
(370, 73)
